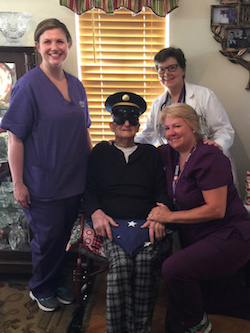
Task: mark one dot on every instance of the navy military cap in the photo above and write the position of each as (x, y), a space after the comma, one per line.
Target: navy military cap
(125, 104)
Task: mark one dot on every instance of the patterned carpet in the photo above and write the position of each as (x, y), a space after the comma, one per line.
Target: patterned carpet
(19, 314)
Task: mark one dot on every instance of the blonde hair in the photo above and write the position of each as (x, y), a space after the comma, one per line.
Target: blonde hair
(185, 112)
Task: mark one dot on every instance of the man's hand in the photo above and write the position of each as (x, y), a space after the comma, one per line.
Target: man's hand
(101, 224)
(156, 230)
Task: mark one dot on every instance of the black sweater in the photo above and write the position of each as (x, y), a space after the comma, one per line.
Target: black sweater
(124, 190)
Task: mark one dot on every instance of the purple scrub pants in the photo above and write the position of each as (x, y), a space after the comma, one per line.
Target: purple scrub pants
(197, 280)
(51, 223)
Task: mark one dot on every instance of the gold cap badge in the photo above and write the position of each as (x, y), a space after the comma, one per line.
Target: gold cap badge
(125, 97)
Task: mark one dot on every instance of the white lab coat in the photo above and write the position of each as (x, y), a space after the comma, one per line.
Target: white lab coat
(216, 125)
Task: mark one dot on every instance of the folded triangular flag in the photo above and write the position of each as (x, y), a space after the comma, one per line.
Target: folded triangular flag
(130, 236)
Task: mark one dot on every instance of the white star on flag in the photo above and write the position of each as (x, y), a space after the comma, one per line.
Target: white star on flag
(132, 224)
(130, 236)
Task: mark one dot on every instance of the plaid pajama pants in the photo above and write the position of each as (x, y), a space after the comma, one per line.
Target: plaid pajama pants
(132, 285)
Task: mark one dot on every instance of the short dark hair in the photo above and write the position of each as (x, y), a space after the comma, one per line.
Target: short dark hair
(48, 24)
(166, 53)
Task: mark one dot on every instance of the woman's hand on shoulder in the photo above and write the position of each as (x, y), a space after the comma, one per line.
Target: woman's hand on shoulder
(212, 143)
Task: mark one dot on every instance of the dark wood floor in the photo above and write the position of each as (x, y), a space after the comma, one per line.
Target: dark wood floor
(220, 324)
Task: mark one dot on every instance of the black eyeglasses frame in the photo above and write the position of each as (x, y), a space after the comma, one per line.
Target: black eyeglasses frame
(171, 68)
(133, 121)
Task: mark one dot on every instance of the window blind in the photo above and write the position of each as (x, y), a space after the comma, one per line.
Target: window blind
(117, 54)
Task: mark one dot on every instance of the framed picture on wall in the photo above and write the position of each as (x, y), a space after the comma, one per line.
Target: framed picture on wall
(237, 39)
(222, 15)
(244, 16)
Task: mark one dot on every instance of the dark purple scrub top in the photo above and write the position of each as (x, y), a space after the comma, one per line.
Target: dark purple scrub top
(207, 168)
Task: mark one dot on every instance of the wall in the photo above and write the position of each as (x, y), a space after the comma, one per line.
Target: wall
(40, 10)
(189, 30)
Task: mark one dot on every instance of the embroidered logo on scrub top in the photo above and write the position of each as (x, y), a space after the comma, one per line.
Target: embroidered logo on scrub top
(82, 104)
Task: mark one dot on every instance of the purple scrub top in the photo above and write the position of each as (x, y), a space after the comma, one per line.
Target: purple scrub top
(207, 168)
(54, 134)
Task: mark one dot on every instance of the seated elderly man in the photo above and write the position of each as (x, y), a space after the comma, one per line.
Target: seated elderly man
(124, 182)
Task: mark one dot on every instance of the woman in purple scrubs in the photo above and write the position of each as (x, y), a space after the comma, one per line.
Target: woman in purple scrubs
(49, 143)
(213, 225)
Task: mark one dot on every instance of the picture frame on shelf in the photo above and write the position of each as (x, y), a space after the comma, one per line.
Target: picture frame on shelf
(236, 38)
(7, 81)
(224, 15)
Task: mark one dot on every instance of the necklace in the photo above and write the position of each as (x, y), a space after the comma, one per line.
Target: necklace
(178, 173)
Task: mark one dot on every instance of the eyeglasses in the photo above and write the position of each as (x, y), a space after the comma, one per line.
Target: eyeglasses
(133, 121)
(171, 68)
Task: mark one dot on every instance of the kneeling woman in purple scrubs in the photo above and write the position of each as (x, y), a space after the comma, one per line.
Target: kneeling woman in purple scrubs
(213, 225)
(47, 123)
